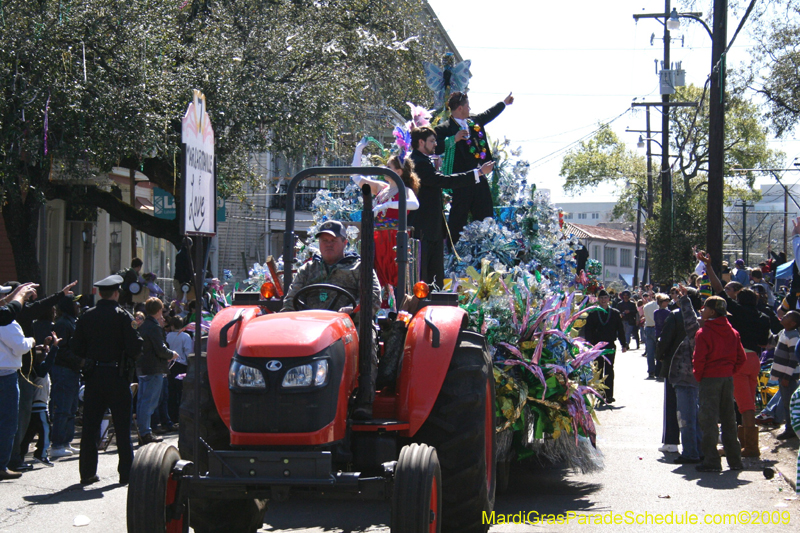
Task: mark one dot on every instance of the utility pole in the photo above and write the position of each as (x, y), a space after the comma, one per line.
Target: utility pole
(744, 232)
(646, 272)
(745, 206)
(666, 174)
(785, 218)
(716, 137)
(638, 238)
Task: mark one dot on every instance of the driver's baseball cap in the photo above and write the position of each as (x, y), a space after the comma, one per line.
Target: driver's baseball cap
(332, 227)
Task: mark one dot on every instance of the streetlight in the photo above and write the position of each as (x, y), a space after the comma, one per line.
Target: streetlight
(640, 143)
(673, 22)
(769, 237)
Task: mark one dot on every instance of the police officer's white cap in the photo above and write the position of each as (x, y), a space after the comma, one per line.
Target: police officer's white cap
(111, 282)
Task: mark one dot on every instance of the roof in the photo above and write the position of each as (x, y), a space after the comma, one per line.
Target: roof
(583, 231)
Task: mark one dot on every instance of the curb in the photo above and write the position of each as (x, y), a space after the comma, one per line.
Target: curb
(792, 482)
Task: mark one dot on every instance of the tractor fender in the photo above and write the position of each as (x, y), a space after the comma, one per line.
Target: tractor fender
(219, 357)
(424, 364)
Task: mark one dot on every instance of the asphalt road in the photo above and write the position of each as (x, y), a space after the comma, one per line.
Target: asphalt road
(638, 483)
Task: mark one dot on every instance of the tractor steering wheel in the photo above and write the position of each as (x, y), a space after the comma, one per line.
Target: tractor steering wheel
(300, 304)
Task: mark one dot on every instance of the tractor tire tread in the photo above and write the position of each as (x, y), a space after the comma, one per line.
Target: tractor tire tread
(456, 429)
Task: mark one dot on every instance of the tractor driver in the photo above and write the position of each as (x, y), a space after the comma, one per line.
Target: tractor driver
(335, 267)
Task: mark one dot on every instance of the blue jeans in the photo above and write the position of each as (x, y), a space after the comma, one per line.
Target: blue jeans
(27, 391)
(65, 384)
(786, 397)
(687, 397)
(775, 409)
(650, 348)
(161, 413)
(628, 327)
(650, 341)
(147, 400)
(9, 400)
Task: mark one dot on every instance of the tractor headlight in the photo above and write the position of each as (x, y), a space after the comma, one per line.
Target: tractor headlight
(315, 373)
(321, 377)
(245, 377)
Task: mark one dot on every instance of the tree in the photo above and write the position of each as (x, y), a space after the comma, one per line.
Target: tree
(91, 85)
(776, 64)
(670, 238)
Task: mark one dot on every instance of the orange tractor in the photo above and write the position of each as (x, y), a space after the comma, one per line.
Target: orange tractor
(268, 411)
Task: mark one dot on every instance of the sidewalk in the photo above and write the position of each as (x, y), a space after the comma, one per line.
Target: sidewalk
(779, 454)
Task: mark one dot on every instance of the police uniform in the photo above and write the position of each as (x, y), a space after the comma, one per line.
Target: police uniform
(104, 335)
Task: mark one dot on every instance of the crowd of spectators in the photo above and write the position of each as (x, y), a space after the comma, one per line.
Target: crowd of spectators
(41, 378)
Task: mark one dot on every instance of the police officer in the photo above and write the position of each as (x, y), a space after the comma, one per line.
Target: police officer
(105, 337)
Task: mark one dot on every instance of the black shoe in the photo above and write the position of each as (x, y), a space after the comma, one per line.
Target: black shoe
(90, 480)
(708, 468)
(611, 400)
(363, 413)
(22, 467)
(148, 438)
(740, 466)
(651, 376)
(7, 474)
(44, 460)
(660, 379)
(159, 431)
(787, 434)
(681, 460)
(123, 480)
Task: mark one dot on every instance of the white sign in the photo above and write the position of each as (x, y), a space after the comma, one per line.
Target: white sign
(199, 183)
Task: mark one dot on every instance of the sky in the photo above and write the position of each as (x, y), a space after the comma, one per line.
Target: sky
(571, 69)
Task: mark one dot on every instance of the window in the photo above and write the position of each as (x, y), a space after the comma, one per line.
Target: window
(596, 252)
(625, 258)
(595, 216)
(568, 216)
(610, 257)
(582, 216)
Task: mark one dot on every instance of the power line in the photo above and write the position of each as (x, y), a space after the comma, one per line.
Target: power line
(545, 159)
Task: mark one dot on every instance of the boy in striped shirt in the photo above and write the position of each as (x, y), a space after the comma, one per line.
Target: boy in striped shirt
(785, 368)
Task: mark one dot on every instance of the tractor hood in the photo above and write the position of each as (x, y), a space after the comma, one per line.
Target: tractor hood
(294, 334)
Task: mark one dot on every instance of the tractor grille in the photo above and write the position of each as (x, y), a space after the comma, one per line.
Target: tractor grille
(275, 409)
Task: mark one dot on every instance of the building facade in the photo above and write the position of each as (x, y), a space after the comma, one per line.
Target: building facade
(615, 249)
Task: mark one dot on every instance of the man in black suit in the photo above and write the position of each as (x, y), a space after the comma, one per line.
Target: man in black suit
(471, 150)
(429, 218)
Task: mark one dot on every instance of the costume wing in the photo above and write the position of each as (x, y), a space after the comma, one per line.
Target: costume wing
(461, 76)
(434, 77)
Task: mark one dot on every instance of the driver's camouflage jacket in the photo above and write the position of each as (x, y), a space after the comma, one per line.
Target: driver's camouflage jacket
(344, 274)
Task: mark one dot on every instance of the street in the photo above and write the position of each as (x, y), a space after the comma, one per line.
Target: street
(637, 484)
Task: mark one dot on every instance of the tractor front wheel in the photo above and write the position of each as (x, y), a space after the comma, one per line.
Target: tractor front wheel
(461, 426)
(417, 497)
(152, 491)
(245, 515)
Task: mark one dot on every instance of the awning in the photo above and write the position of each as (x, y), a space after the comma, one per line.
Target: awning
(784, 271)
(627, 279)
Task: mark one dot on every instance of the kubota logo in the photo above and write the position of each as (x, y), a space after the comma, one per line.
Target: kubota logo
(274, 366)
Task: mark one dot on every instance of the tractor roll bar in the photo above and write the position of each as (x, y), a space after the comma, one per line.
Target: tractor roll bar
(402, 234)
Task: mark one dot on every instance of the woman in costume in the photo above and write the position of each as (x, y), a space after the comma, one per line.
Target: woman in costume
(385, 209)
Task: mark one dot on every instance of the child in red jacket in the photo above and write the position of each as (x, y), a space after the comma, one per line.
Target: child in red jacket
(718, 354)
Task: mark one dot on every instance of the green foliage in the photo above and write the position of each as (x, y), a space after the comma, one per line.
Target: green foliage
(602, 158)
(776, 64)
(114, 79)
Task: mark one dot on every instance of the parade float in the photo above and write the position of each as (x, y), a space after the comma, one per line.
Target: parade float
(515, 277)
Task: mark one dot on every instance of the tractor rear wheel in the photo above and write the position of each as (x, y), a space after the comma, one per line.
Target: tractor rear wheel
(152, 490)
(211, 515)
(461, 426)
(417, 496)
